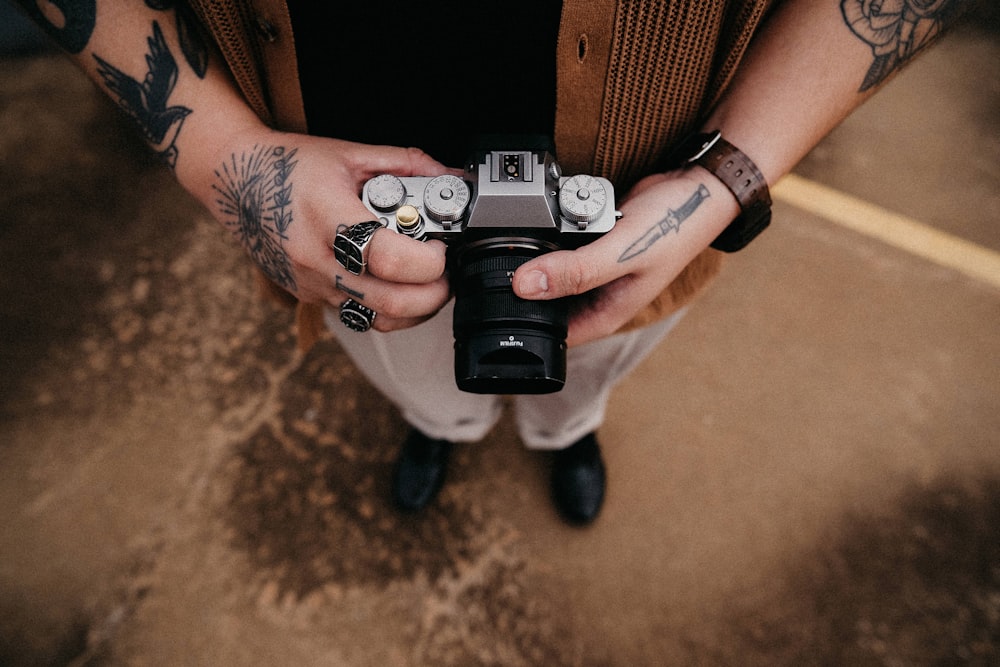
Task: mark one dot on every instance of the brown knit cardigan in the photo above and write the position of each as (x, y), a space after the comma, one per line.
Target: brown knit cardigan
(632, 78)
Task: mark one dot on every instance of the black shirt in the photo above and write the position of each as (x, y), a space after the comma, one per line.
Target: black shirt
(435, 75)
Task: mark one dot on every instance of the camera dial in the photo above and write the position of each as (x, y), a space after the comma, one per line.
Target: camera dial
(513, 205)
(582, 199)
(386, 192)
(445, 198)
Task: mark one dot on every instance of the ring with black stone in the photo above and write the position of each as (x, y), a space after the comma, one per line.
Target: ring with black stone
(350, 246)
(356, 316)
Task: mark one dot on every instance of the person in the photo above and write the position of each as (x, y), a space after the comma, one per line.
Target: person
(274, 114)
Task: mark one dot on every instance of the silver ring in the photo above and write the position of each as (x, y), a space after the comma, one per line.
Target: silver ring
(356, 316)
(351, 245)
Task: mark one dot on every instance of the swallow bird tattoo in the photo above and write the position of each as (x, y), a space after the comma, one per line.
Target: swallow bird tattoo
(672, 220)
(146, 102)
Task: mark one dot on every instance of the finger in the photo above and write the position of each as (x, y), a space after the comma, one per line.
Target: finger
(391, 256)
(398, 258)
(386, 324)
(399, 161)
(569, 272)
(383, 322)
(394, 300)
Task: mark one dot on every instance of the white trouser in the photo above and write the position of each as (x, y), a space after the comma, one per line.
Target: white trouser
(414, 368)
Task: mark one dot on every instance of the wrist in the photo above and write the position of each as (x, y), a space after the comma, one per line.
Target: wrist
(666, 194)
(210, 144)
(732, 168)
(727, 206)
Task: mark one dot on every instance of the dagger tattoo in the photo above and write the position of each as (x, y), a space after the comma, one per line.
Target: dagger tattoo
(672, 220)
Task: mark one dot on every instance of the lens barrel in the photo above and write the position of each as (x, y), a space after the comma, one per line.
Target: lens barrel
(505, 344)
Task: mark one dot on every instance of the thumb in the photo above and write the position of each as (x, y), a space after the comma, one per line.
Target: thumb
(406, 162)
(562, 273)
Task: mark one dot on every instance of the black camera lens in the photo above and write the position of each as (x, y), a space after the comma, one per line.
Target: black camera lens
(505, 344)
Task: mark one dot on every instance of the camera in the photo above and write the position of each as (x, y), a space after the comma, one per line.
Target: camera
(508, 207)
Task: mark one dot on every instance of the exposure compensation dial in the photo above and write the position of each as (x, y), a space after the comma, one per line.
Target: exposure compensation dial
(582, 199)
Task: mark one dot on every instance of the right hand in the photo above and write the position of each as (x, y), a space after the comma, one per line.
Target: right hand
(284, 196)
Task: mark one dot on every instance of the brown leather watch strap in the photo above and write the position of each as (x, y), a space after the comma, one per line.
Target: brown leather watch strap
(738, 172)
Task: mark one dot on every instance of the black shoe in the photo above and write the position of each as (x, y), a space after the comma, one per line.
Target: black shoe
(578, 480)
(419, 472)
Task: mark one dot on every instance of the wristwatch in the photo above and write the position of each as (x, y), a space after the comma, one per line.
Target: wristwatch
(738, 172)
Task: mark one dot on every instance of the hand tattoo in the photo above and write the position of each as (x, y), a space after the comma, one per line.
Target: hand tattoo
(347, 290)
(672, 220)
(896, 30)
(255, 202)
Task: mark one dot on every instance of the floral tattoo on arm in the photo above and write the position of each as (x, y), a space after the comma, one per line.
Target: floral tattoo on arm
(254, 199)
(897, 30)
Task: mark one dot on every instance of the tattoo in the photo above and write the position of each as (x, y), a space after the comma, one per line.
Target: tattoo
(255, 200)
(896, 30)
(146, 102)
(347, 290)
(69, 22)
(193, 45)
(672, 220)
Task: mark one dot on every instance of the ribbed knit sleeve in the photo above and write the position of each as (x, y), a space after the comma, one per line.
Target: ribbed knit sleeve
(633, 78)
(649, 71)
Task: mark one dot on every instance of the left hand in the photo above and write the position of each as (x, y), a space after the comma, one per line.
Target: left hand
(623, 271)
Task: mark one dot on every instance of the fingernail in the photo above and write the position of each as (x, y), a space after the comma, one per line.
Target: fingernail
(534, 284)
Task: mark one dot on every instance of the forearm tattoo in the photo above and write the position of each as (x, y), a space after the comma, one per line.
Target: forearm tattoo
(255, 202)
(897, 30)
(69, 22)
(193, 45)
(146, 102)
(672, 220)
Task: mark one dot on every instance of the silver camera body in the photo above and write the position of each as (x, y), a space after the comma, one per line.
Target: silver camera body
(502, 192)
(510, 206)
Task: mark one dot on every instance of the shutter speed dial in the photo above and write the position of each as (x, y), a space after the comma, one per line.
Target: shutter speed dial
(445, 198)
(582, 199)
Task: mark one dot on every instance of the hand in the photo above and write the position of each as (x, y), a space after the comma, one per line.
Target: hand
(284, 196)
(668, 219)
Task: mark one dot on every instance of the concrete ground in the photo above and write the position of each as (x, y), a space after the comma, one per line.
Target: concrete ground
(807, 474)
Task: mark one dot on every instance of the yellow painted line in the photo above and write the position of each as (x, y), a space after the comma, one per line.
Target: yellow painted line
(896, 230)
